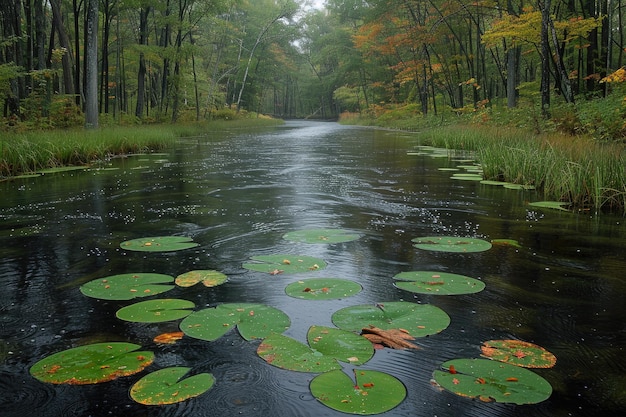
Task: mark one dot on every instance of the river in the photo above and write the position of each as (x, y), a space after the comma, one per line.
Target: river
(236, 193)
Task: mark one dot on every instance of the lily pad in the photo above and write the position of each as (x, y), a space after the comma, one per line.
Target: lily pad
(557, 205)
(322, 236)
(284, 264)
(417, 320)
(506, 242)
(156, 311)
(440, 283)
(166, 386)
(254, 321)
(208, 278)
(467, 177)
(371, 392)
(492, 182)
(322, 288)
(159, 244)
(127, 286)
(327, 346)
(451, 244)
(92, 364)
(518, 352)
(492, 381)
(519, 186)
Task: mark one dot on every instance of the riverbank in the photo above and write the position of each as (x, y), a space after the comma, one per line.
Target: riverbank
(32, 151)
(586, 173)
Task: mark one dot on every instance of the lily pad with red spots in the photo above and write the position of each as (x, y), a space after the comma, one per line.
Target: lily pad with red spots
(327, 347)
(208, 278)
(451, 244)
(439, 283)
(518, 352)
(168, 386)
(370, 392)
(92, 364)
(254, 321)
(417, 320)
(492, 381)
(159, 244)
(156, 311)
(322, 288)
(127, 286)
(284, 264)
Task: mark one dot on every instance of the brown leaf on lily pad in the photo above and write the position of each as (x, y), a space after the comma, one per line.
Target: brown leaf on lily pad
(392, 338)
(518, 352)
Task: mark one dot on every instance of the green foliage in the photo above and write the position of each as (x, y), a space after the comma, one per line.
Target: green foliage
(127, 286)
(284, 264)
(323, 288)
(322, 236)
(159, 244)
(440, 283)
(155, 311)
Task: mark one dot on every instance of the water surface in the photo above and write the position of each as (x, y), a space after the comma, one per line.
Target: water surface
(236, 193)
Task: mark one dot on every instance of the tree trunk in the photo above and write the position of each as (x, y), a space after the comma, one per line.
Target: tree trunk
(64, 41)
(545, 58)
(141, 73)
(91, 60)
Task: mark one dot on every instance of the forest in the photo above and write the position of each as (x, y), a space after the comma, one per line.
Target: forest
(81, 62)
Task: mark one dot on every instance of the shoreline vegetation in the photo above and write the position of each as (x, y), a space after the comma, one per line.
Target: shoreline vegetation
(587, 174)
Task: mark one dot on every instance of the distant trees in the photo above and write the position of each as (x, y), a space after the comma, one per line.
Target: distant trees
(173, 59)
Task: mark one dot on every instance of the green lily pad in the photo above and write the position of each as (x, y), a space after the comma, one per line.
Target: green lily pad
(492, 182)
(557, 205)
(166, 386)
(372, 392)
(159, 244)
(156, 311)
(127, 286)
(417, 320)
(322, 236)
(327, 346)
(519, 186)
(518, 352)
(440, 283)
(467, 177)
(254, 321)
(284, 264)
(451, 244)
(209, 278)
(62, 169)
(506, 242)
(92, 364)
(322, 288)
(492, 381)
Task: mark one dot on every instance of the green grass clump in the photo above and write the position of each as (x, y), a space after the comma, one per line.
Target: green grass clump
(588, 174)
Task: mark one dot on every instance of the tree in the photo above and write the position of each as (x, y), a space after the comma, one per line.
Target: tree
(91, 65)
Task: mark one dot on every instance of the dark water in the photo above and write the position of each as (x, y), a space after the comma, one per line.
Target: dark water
(237, 193)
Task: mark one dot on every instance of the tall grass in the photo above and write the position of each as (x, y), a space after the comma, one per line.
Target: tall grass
(590, 175)
(32, 151)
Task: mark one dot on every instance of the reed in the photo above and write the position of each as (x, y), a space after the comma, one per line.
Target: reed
(590, 175)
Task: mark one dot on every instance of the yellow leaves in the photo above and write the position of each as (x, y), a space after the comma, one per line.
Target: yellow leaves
(618, 76)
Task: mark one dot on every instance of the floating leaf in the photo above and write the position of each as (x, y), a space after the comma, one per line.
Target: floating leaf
(92, 364)
(506, 242)
(159, 244)
(415, 319)
(451, 244)
(372, 392)
(557, 205)
(322, 288)
(492, 381)
(519, 186)
(392, 338)
(168, 338)
(209, 278)
(254, 321)
(166, 386)
(326, 347)
(155, 311)
(517, 352)
(284, 264)
(491, 182)
(322, 236)
(467, 177)
(127, 286)
(440, 283)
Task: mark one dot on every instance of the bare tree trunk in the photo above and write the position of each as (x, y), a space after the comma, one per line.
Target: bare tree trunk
(91, 60)
(64, 40)
(545, 58)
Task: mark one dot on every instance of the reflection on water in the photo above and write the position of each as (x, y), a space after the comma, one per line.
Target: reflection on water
(237, 193)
